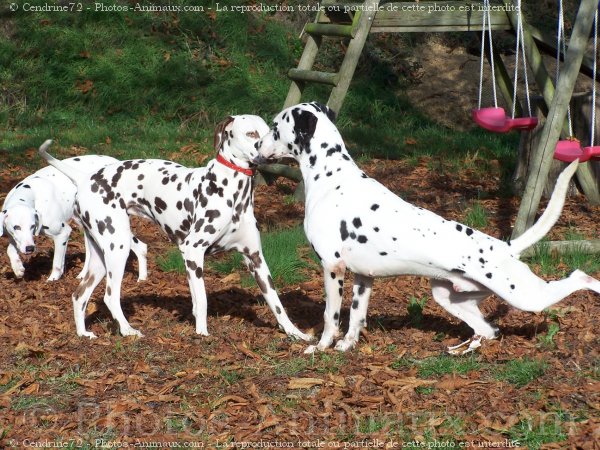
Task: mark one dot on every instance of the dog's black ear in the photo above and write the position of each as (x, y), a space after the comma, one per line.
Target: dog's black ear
(305, 124)
(325, 109)
(220, 132)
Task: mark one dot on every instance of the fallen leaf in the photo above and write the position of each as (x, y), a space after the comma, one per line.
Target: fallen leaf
(31, 389)
(456, 383)
(84, 86)
(304, 383)
(230, 398)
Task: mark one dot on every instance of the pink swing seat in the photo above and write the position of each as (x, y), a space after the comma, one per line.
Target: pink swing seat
(495, 119)
(570, 149)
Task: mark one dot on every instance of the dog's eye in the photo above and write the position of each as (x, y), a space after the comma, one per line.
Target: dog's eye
(253, 134)
(16, 228)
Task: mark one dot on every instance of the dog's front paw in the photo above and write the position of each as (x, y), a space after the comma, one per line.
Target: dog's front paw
(310, 349)
(297, 334)
(131, 332)
(19, 271)
(344, 345)
(54, 276)
(202, 331)
(87, 334)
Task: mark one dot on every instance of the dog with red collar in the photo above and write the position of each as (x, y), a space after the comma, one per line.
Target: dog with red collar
(202, 210)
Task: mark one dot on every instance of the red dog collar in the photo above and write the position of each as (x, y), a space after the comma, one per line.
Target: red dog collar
(222, 160)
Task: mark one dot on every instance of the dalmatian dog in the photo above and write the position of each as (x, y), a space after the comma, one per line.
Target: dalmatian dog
(43, 204)
(355, 223)
(203, 211)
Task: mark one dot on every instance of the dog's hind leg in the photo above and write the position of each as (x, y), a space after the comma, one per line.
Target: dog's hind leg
(140, 249)
(334, 288)
(87, 256)
(464, 306)
(93, 275)
(194, 267)
(115, 259)
(60, 251)
(361, 292)
(526, 291)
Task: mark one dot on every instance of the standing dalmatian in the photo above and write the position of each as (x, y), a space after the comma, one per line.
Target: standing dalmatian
(43, 203)
(355, 223)
(203, 211)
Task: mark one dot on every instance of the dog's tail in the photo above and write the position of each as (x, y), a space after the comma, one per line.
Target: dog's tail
(557, 200)
(75, 175)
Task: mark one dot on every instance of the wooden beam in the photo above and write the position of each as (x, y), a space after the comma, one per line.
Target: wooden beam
(436, 16)
(547, 43)
(427, 16)
(313, 76)
(543, 154)
(562, 247)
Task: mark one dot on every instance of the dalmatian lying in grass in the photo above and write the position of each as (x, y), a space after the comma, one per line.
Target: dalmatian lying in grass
(203, 211)
(43, 204)
(355, 223)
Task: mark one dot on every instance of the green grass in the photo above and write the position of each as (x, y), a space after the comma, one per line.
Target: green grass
(521, 372)
(171, 261)
(415, 310)
(321, 363)
(140, 84)
(533, 435)
(547, 340)
(438, 366)
(291, 367)
(281, 251)
(552, 264)
(476, 216)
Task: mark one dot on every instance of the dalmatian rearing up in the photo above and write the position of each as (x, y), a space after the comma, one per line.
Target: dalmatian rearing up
(43, 204)
(203, 211)
(355, 223)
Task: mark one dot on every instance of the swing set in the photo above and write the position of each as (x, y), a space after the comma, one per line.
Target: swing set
(335, 21)
(495, 118)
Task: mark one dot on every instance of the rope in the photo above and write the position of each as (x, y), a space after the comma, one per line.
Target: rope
(489, 20)
(593, 124)
(524, 63)
(487, 17)
(516, 77)
(520, 47)
(561, 44)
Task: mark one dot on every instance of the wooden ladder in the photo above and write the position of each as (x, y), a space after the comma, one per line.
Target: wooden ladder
(332, 20)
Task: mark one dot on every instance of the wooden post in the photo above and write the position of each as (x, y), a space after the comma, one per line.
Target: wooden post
(546, 87)
(355, 48)
(306, 62)
(542, 159)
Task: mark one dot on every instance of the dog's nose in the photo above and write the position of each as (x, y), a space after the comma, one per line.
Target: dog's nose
(30, 249)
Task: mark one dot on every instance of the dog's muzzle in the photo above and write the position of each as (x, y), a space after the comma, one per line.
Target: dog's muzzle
(29, 249)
